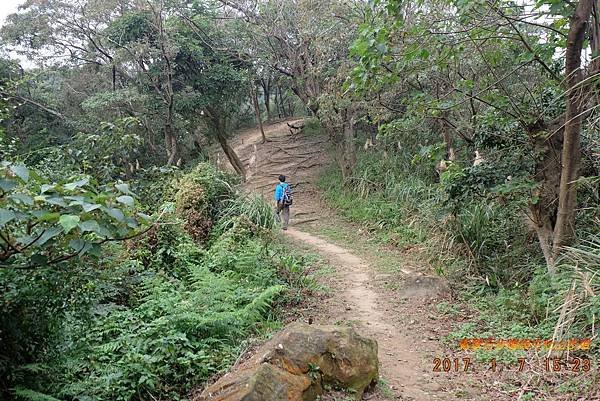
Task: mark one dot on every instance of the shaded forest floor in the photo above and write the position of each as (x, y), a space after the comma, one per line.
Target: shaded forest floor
(388, 294)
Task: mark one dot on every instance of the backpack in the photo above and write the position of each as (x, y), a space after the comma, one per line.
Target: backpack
(287, 199)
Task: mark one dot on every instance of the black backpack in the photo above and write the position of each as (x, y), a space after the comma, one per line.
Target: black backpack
(288, 198)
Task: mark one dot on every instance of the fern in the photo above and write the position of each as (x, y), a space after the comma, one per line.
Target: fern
(31, 395)
(187, 312)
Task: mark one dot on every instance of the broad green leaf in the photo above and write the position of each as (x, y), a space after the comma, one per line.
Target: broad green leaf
(77, 200)
(22, 198)
(6, 216)
(50, 217)
(38, 259)
(77, 184)
(131, 222)
(25, 239)
(48, 235)
(126, 200)
(88, 207)
(7, 185)
(20, 171)
(46, 187)
(89, 225)
(80, 246)
(57, 201)
(68, 222)
(115, 213)
(95, 250)
(124, 188)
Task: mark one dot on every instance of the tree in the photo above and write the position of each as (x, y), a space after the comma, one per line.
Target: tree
(484, 80)
(293, 39)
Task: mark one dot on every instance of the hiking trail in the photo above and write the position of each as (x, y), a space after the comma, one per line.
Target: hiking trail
(398, 310)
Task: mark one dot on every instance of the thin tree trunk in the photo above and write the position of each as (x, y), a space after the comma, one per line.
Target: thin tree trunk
(542, 213)
(266, 86)
(171, 144)
(257, 112)
(233, 158)
(571, 151)
(168, 94)
(282, 103)
(595, 37)
(114, 77)
(277, 102)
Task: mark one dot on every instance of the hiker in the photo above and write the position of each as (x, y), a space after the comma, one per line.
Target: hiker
(283, 197)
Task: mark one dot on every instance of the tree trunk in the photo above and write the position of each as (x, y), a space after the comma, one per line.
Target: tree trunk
(277, 103)
(257, 112)
(171, 144)
(114, 77)
(542, 213)
(595, 38)
(233, 158)
(571, 150)
(266, 86)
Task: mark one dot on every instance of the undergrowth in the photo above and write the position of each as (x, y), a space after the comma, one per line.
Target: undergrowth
(165, 312)
(482, 246)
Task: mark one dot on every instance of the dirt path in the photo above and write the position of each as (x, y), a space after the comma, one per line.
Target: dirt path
(358, 296)
(401, 365)
(388, 294)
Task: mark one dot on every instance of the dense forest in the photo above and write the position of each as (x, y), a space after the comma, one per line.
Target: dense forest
(133, 265)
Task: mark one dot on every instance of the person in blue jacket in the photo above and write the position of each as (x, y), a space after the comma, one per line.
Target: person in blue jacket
(284, 200)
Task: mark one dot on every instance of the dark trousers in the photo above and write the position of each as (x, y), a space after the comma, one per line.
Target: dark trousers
(286, 214)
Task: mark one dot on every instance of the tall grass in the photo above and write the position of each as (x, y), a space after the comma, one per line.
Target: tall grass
(579, 271)
(253, 207)
(481, 244)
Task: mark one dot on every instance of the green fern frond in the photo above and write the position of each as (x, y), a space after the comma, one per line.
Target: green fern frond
(32, 395)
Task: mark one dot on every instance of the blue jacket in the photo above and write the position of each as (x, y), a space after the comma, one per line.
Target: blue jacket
(279, 190)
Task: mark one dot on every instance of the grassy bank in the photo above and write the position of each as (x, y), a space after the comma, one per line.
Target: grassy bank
(483, 247)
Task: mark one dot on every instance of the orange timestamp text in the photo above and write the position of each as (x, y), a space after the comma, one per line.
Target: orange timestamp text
(446, 365)
(525, 344)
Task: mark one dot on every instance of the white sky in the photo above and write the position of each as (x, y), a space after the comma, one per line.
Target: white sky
(8, 7)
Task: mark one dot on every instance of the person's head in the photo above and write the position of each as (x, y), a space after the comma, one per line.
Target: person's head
(282, 178)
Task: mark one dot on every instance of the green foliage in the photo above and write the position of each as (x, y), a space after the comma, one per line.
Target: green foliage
(312, 127)
(179, 332)
(199, 198)
(253, 207)
(131, 27)
(155, 316)
(43, 223)
(118, 139)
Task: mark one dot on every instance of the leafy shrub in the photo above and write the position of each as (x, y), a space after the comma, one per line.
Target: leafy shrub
(312, 127)
(153, 318)
(199, 198)
(179, 333)
(496, 241)
(44, 223)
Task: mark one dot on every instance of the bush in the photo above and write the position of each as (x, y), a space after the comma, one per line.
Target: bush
(199, 198)
(156, 316)
(180, 332)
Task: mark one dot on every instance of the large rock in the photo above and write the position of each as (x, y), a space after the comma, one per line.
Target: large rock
(297, 362)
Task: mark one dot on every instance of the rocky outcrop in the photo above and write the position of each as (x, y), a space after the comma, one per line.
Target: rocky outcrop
(297, 363)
